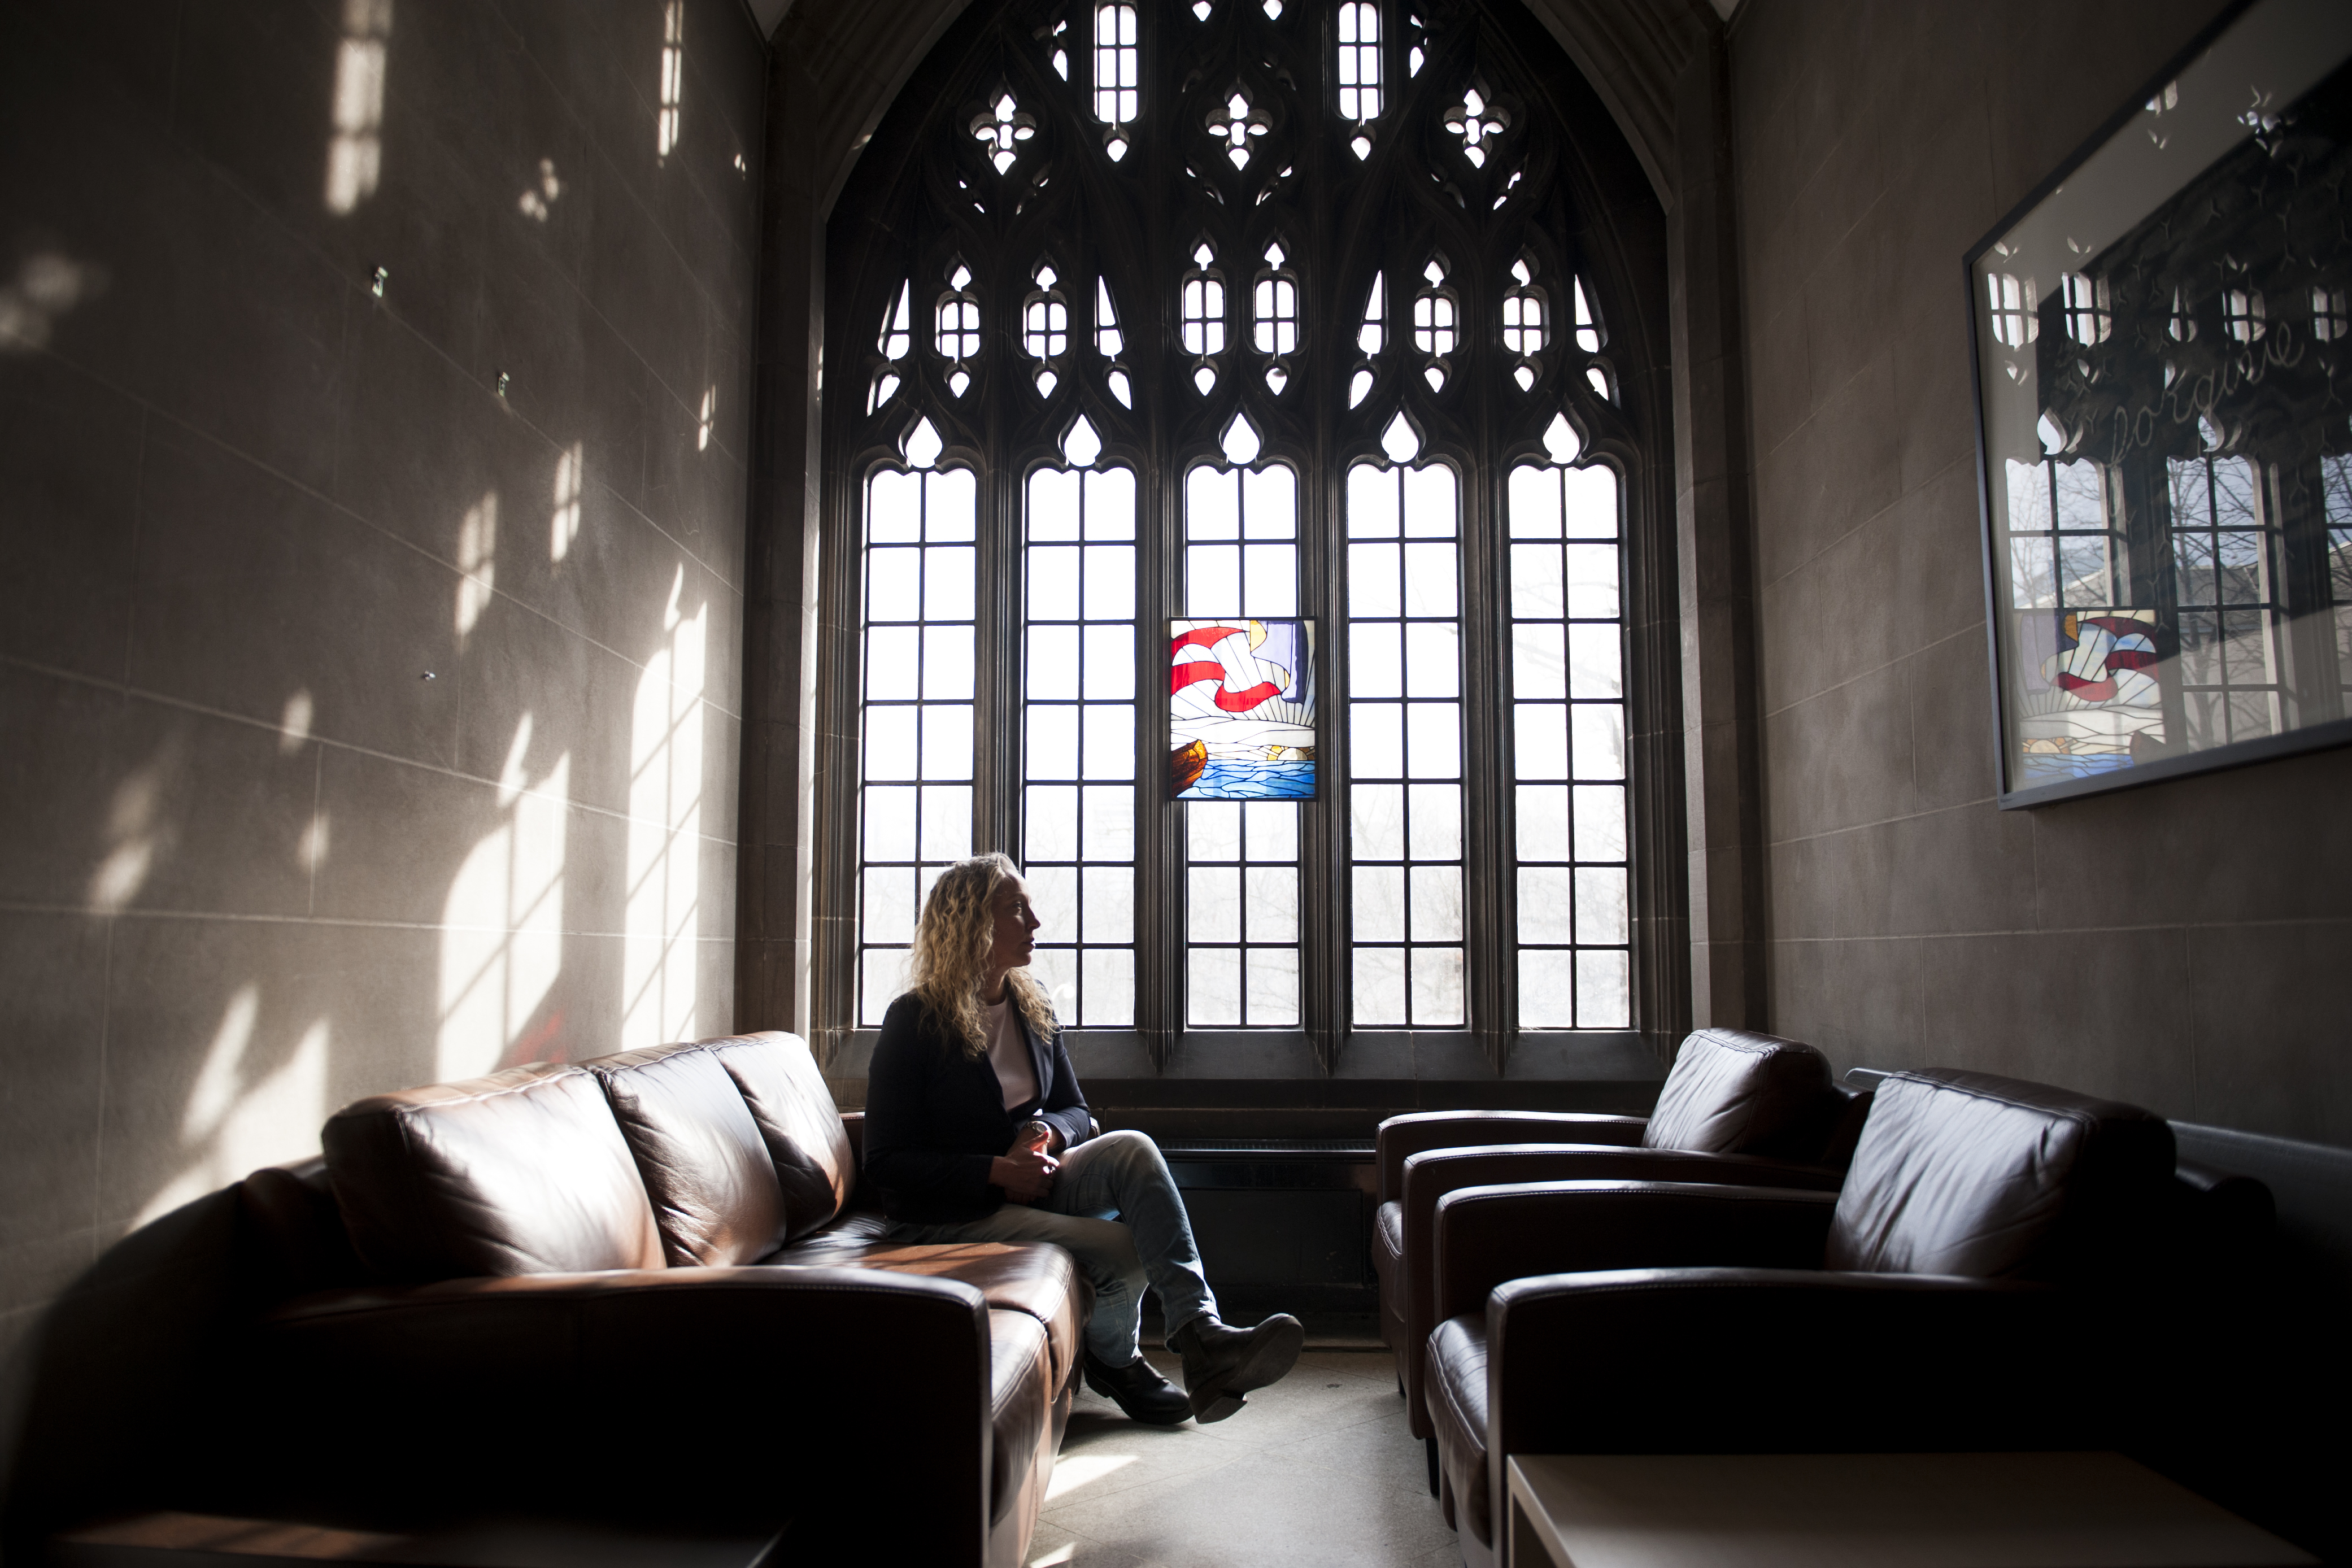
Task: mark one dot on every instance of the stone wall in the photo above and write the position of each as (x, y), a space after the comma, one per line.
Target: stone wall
(2179, 945)
(369, 659)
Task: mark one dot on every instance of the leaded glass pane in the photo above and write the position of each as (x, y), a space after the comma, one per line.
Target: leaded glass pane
(917, 713)
(1574, 930)
(1080, 724)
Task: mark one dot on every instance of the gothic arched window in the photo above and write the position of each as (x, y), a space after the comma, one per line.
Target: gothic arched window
(1273, 397)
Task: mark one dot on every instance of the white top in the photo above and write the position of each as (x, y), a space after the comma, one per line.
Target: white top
(1008, 1053)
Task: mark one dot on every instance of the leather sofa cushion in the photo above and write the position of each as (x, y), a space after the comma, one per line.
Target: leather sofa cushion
(1039, 1281)
(794, 1112)
(1457, 1410)
(1734, 1092)
(714, 1190)
(1021, 1400)
(1966, 1174)
(523, 1172)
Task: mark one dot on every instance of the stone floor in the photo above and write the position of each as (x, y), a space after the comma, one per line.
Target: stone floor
(1316, 1469)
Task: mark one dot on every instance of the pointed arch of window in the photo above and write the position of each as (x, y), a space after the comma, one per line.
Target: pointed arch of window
(1318, 324)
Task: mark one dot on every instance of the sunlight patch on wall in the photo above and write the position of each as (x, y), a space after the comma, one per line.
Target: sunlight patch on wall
(46, 286)
(236, 1122)
(477, 552)
(356, 153)
(294, 726)
(536, 202)
(133, 836)
(563, 527)
(502, 926)
(665, 869)
(672, 76)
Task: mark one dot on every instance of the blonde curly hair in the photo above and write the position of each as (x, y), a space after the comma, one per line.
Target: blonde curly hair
(952, 941)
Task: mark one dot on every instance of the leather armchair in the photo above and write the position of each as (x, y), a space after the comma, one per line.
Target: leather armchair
(1983, 1241)
(1738, 1107)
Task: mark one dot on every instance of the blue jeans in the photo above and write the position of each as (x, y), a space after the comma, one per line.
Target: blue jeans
(1121, 1173)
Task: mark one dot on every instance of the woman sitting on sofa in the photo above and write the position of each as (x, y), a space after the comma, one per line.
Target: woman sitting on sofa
(976, 1130)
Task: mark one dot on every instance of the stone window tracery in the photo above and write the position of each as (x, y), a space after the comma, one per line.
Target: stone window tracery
(1430, 474)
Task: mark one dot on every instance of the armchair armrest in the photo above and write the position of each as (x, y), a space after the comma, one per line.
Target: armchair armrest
(1769, 1360)
(1401, 1137)
(1430, 1174)
(1485, 1235)
(789, 1386)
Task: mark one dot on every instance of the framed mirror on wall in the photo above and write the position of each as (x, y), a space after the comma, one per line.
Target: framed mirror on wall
(2163, 355)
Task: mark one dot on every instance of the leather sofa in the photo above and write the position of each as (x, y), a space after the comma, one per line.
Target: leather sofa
(638, 1286)
(1737, 1107)
(1983, 1279)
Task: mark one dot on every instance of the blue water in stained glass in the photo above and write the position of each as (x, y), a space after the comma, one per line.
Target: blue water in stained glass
(1230, 780)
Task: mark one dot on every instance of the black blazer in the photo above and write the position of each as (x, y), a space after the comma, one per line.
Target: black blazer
(935, 1117)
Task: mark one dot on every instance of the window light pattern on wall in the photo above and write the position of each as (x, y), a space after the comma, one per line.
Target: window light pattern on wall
(1405, 739)
(1079, 741)
(915, 730)
(1568, 693)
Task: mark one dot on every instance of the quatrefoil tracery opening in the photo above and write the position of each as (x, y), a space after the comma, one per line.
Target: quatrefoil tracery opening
(1002, 129)
(1234, 123)
(1477, 123)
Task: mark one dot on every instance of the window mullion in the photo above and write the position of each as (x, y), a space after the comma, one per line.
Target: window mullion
(1322, 821)
(997, 771)
(1159, 860)
(1488, 893)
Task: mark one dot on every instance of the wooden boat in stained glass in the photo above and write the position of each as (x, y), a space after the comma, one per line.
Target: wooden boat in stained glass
(1241, 704)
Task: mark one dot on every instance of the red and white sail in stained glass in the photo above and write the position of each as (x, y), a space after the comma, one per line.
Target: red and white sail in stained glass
(1241, 709)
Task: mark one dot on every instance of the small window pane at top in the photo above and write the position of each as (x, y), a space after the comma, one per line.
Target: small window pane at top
(1118, 65)
(1359, 61)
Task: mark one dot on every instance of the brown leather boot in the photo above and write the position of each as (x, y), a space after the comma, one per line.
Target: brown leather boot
(1222, 1363)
